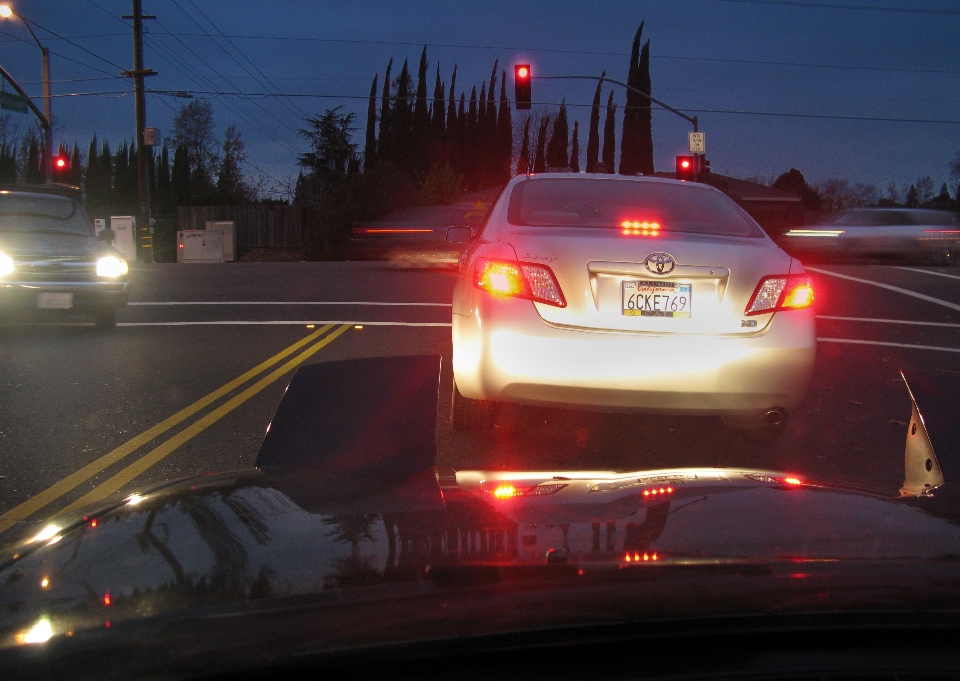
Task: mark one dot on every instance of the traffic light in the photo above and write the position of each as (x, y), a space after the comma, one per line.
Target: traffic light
(61, 163)
(521, 85)
(687, 168)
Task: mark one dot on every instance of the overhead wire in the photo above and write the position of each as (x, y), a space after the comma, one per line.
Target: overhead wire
(844, 6)
(62, 56)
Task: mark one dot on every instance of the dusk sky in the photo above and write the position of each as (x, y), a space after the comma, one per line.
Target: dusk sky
(873, 59)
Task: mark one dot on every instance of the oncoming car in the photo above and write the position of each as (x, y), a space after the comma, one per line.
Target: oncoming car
(629, 294)
(51, 263)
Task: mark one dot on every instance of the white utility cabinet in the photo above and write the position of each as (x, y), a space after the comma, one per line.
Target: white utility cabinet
(229, 238)
(200, 246)
(124, 231)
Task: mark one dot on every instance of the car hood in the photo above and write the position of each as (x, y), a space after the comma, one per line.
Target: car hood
(293, 559)
(43, 246)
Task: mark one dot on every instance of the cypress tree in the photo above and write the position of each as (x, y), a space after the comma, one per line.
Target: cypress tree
(482, 116)
(162, 200)
(180, 192)
(610, 134)
(105, 173)
(470, 157)
(91, 182)
(76, 167)
(523, 163)
(8, 164)
(401, 122)
(32, 173)
(462, 137)
(438, 145)
(384, 143)
(370, 142)
(504, 133)
(645, 113)
(593, 136)
(575, 148)
(451, 125)
(491, 143)
(630, 143)
(559, 140)
(420, 124)
(539, 163)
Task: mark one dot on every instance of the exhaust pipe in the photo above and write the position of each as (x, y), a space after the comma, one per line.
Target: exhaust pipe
(774, 417)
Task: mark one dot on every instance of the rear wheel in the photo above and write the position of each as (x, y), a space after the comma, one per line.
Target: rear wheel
(471, 415)
(105, 318)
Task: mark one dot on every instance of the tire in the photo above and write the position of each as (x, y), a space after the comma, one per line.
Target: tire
(469, 415)
(105, 318)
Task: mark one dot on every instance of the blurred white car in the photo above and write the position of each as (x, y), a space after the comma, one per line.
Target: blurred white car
(904, 232)
(629, 294)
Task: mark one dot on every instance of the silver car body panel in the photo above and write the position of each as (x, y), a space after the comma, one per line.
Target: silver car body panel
(590, 355)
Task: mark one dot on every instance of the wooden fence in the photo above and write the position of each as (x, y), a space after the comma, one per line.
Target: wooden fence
(256, 226)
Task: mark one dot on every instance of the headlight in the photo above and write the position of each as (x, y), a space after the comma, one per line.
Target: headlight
(6, 264)
(111, 266)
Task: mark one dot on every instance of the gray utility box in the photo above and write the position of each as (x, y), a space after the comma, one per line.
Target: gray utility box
(229, 238)
(199, 246)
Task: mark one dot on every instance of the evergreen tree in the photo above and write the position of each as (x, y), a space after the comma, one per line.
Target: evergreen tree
(575, 148)
(463, 138)
(504, 133)
(609, 134)
(645, 113)
(370, 142)
(33, 173)
(76, 166)
(472, 143)
(420, 130)
(121, 176)
(593, 136)
(481, 153)
(401, 122)
(452, 127)
(180, 191)
(161, 199)
(231, 185)
(559, 140)
(105, 173)
(523, 163)
(539, 162)
(913, 197)
(630, 138)
(438, 144)
(491, 143)
(91, 181)
(8, 164)
(385, 143)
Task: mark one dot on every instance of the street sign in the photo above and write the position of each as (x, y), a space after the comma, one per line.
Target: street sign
(151, 137)
(697, 142)
(13, 102)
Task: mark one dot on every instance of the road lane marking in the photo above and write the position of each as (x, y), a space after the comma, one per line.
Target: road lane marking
(936, 274)
(292, 302)
(281, 323)
(145, 462)
(51, 494)
(892, 345)
(888, 321)
(929, 299)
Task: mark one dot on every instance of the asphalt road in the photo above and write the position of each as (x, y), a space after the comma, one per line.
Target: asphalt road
(189, 380)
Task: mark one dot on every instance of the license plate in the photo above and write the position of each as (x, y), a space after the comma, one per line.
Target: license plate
(656, 299)
(55, 301)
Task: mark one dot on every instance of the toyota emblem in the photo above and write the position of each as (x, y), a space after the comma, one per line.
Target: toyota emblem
(660, 263)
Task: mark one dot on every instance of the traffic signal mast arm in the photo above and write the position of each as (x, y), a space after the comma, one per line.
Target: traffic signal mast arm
(691, 119)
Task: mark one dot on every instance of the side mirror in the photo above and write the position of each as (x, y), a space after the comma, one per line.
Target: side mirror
(459, 235)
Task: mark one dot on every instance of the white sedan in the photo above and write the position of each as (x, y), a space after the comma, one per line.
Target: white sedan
(629, 294)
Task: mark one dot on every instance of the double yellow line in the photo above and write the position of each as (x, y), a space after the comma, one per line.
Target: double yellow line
(113, 484)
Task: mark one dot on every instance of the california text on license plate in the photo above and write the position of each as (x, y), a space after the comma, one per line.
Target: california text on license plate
(656, 299)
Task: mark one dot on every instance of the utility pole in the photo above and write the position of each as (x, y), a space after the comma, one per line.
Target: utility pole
(143, 177)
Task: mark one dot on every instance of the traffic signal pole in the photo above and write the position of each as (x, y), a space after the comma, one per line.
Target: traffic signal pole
(143, 178)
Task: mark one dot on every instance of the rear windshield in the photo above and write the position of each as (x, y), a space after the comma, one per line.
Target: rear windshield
(42, 214)
(609, 203)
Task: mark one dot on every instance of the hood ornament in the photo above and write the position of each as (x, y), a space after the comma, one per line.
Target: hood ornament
(660, 263)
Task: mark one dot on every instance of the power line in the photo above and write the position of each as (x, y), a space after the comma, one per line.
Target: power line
(836, 5)
(79, 47)
(62, 56)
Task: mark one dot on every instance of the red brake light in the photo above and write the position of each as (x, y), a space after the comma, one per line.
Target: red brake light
(783, 292)
(518, 280)
(644, 228)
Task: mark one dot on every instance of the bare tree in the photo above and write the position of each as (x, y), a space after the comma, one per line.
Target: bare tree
(193, 129)
(231, 184)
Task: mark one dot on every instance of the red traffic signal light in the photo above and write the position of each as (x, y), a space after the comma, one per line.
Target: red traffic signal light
(61, 163)
(521, 85)
(686, 168)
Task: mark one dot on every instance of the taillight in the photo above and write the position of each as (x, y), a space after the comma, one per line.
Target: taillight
(518, 280)
(784, 292)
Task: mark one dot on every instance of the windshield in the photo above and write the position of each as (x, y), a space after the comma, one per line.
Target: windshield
(611, 203)
(42, 213)
(676, 273)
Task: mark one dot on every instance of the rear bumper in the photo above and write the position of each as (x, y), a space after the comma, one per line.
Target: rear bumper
(507, 353)
(86, 294)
